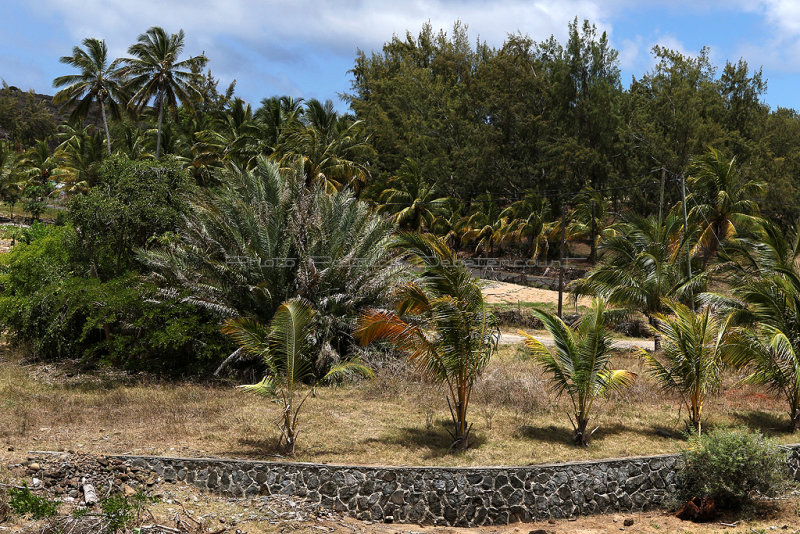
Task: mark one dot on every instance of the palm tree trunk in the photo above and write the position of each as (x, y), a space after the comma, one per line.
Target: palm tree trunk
(580, 438)
(656, 336)
(795, 419)
(696, 413)
(105, 125)
(160, 123)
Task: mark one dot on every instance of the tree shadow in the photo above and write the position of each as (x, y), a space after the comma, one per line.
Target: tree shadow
(435, 440)
(564, 435)
(766, 422)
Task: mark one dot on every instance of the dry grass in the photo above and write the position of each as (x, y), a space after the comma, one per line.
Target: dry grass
(394, 419)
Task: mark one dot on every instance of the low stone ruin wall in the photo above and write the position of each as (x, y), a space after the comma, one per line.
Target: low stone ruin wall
(438, 495)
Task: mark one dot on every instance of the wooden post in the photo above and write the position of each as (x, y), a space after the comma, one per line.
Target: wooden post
(561, 261)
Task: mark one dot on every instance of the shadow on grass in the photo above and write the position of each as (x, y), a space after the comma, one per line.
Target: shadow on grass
(766, 422)
(267, 449)
(435, 440)
(563, 435)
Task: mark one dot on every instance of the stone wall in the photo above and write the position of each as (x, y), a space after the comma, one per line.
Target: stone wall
(455, 496)
(438, 495)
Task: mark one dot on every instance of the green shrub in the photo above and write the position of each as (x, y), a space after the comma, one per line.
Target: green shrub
(52, 308)
(23, 502)
(120, 511)
(732, 466)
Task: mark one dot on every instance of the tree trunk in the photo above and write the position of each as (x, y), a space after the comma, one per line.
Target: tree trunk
(105, 125)
(289, 436)
(461, 428)
(795, 420)
(593, 240)
(160, 123)
(696, 413)
(580, 436)
(656, 335)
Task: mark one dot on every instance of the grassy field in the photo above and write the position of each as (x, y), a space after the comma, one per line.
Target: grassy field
(393, 419)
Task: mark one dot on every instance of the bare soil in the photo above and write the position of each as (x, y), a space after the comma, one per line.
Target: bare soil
(506, 293)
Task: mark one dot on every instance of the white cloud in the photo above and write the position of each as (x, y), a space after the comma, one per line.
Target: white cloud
(338, 26)
(246, 38)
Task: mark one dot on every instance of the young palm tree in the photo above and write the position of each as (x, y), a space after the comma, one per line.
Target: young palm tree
(641, 268)
(99, 81)
(580, 364)
(157, 74)
(590, 220)
(766, 279)
(721, 201)
(441, 323)
(287, 349)
(694, 345)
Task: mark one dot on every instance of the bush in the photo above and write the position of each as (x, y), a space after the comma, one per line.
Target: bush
(732, 466)
(23, 502)
(54, 313)
(120, 512)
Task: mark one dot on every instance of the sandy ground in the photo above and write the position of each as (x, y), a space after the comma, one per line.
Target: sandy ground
(506, 293)
(512, 338)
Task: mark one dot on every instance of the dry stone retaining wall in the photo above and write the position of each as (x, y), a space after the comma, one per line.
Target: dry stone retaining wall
(462, 496)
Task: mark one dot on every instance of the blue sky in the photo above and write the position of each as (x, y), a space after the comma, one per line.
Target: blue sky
(304, 48)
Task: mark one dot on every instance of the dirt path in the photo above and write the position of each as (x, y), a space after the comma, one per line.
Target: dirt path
(506, 293)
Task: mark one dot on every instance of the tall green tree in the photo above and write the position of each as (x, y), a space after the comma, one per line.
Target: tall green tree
(99, 81)
(156, 73)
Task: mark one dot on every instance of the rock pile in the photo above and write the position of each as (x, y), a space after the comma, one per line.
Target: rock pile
(64, 476)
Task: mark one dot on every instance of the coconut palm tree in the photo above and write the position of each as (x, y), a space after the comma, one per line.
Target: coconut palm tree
(590, 219)
(12, 180)
(333, 149)
(721, 201)
(79, 156)
(694, 346)
(640, 268)
(156, 73)
(278, 115)
(580, 364)
(287, 348)
(529, 223)
(766, 309)
(487, 225)
(411, 201)
(235, 138)
(99, 81)
(440, 322)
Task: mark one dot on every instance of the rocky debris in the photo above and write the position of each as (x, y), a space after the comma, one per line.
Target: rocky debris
(72, 477)
(698, 510)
